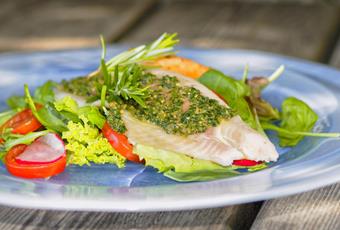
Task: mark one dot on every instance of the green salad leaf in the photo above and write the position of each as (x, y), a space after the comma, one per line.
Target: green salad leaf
(12, 140)
(165, 160)
(296, 116)
(181, 167)
(5, 116)
(297, 120)
(234, 92)
(48, 116)
(70, 109)
(44, 94)
(16, 102)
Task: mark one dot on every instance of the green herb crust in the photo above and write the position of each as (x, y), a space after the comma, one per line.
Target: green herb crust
(82, 86)
(177, 109)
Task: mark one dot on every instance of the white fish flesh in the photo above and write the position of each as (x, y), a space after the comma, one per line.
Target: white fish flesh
(231, 140)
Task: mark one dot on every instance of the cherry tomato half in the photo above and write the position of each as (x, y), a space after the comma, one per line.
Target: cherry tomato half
(32, 170)
(22, 123)
(246, 162)
(120, 143)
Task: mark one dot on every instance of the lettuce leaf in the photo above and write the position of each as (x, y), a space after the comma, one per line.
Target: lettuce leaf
(47, 115)
(85, 145)
(44, 94)
(16, 102)
(165, 160)
(70, 109)
(183, 168)
(12, 140)
(5, 116)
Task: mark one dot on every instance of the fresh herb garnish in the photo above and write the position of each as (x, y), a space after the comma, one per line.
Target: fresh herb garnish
(163, 46)
(126, 83)
(122, 74)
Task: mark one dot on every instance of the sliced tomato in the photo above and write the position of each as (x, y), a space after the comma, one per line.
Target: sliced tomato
(245, 162)
(120, 143)
(32, 170)
(22, 123)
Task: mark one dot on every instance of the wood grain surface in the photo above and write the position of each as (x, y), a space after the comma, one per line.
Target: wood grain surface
(46, 25)
(307, 31)
(297, 30)
(318, 209)
(335, 57)
(234, 217)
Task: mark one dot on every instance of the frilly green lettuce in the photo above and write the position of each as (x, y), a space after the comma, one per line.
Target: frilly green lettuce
(85, 145)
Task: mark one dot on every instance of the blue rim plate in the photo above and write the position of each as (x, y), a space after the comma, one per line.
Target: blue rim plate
(315, 162)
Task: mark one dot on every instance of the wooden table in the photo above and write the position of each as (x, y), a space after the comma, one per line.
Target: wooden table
(309, 31)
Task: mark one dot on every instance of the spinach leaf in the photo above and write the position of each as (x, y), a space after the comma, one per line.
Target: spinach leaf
(296, 118)
(234, 92)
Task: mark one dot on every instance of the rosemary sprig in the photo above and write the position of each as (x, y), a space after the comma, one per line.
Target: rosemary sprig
(163, 46)
(122, 73)
(125, 83)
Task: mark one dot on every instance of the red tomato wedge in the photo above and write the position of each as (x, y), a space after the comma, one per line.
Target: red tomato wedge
(246, 162)
(45, 157)
(120, 143)
(22, 123)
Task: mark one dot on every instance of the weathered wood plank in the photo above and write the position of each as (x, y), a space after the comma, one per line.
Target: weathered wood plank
(318, 209)
(296, 30)
(335, 57)
(64, 24)
(236, 217)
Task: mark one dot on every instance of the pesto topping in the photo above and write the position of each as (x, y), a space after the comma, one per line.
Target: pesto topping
(114, 118)
(82, 86)
(177, 109)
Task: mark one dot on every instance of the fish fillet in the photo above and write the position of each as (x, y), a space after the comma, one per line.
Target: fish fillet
(231, 140)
